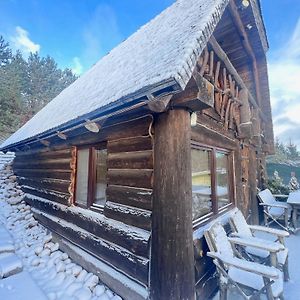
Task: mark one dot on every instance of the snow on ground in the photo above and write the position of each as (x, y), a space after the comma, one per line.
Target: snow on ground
(291, 289)
(40, 270)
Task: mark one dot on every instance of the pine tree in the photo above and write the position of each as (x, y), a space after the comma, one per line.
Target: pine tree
(5, 52)
(27, 86)
(292, 151)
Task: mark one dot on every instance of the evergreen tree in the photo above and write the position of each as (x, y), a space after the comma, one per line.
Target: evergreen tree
(5, 52)
(27, 86)
(292, 151)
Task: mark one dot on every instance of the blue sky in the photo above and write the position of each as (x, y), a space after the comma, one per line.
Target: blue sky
(79, 32)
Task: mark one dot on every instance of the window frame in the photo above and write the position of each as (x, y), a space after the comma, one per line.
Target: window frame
(91, 189)
(231, 183)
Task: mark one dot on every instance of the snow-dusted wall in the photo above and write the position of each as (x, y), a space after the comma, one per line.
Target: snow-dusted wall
(120, 235)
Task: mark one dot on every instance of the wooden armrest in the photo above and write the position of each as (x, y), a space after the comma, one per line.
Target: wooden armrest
(245, 265)
(256, 243)
(280, 196)
(274, 205)
(278, 232)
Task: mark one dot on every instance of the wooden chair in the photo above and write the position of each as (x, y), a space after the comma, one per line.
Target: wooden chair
(251, 279)
(274, 211)
(278, 258)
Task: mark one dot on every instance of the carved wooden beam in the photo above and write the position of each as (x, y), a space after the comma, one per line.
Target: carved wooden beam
(245, 128)
(159, 104)
(197, 96)
(222, 55)
(247, 46)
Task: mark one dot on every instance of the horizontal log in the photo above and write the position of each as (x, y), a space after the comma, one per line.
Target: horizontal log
(59, 163)
(129, 215)
(41, 155)
(47, 194)
(132, 239)
(132, 128)
(49, 184)
(39, 173)
(123, 285)
(120, 258)
(130, 177)
(130, 160)
(204, 135)
(136, 197)
(139, 143)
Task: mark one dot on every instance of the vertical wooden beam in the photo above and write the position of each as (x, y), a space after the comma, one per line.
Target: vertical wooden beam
(253, 186)
(172, 254)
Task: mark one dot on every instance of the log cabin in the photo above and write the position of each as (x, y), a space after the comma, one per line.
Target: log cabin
(165, 134)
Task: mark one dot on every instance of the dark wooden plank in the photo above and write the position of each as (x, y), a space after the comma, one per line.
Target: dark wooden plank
(61, 164)
(49, 184)
(129, 215)
(43, 154)
(120, 258)
(126, 177)
(136, 197)
(172, 274)
(131, 128)
(139, 143)
(115, 232)
(47, 194)
(119, 284)
(206, 136)
(130, 160)
(38, 173)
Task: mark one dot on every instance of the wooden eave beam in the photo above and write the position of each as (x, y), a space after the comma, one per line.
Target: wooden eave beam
(222, 55)
(198, 95)
(247, 46)
(159, 104)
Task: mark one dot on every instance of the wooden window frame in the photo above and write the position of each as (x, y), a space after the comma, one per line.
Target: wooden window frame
(92, 172)
(231, 182)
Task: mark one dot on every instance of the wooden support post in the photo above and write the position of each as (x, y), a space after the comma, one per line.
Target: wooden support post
(253, 186)
(172, 254)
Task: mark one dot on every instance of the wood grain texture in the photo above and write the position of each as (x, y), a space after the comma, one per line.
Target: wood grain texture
(172, 265)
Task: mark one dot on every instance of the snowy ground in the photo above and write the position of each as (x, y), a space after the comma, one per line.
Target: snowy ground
(31, 265)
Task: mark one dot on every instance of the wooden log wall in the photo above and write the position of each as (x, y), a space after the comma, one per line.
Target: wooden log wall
(130, 176)
(45, 174)
(120, 234)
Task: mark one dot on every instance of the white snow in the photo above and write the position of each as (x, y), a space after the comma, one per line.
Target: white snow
(48, 272)
(20, 287)
(164, 51)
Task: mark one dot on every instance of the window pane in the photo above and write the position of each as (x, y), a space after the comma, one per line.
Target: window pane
(201, 182)
(222, 179)
(82, 176)
(101, 172)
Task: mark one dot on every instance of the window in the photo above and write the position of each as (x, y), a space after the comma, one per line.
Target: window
(91, 177)
(212, 181)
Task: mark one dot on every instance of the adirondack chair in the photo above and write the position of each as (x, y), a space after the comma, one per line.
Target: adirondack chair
(277, 258)
(251, 279)
(274, 210)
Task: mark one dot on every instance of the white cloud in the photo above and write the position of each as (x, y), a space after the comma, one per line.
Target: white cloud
(22, 41)
(76, 66)
(284, 75)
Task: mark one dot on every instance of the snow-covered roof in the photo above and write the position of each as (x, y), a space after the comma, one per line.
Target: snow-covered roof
(161, 53)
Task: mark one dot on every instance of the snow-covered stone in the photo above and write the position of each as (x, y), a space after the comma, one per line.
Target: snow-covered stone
(53, 275)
